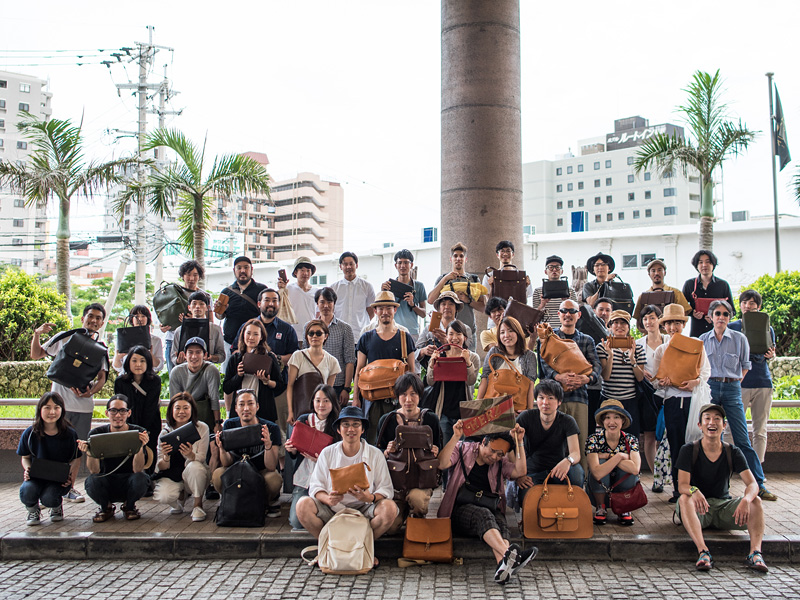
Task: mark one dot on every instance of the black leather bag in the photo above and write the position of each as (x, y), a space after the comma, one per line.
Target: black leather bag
(194, 328)
(470, 494)
(244, 497)
(755, 326)
(130, 337)
(185, 434)
(555, 289)
(241, 437)
(620, 294)
(78, 361)
(591, 324)
(49, 470)
(170, 301)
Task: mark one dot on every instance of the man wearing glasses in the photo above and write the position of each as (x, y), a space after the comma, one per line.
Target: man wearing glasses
(729, 355)
(554, 269)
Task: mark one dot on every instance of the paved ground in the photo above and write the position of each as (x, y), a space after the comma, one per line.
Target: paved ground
(288, 579)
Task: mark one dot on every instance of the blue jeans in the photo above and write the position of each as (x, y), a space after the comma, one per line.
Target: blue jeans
(34, 490)
(596, 486)
(729, 396)
(167, 354)
(575, 476)
(117, 487)
(297, 493)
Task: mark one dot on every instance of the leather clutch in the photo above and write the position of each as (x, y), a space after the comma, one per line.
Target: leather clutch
(399, 289)
(116, 444)
(49, 470)
(703, 304)
(309, 440)
(624, 342)
(240, 438)
(186, 434)
(253, 363)
(347, 478)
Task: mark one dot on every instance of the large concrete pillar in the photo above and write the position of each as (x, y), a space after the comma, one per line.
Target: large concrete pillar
(481, 147)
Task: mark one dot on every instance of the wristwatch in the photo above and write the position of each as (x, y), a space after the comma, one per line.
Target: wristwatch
(570, 459)
(347, 389)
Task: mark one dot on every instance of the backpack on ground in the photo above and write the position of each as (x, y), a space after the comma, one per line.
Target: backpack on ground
(244, 497)
(346, 545)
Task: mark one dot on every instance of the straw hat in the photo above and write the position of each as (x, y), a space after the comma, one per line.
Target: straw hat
(384, 298)
(303, 261)
(614, 406)
(448, 295)
(673, 312)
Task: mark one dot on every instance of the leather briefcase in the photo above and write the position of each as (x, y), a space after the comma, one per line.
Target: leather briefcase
(526, 315)
(240, 438)
(563, 356)
(309, 440)
(130, 337)
(682, 360)
(556, 511)
(116, 444)
(170, 301)
(78, 361)
(620, 294)
(253, 362)
(624, 342)
(658, 298)
(590, 324)
(347, 478)
(185, 434)
(555, 289)
(755, 326)
(428, 539)
(449, 368)
(509, 382)
(195, 328)
(508, 282)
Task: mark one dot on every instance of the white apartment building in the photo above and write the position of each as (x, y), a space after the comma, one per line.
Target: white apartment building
(23, 229)
(598, 190)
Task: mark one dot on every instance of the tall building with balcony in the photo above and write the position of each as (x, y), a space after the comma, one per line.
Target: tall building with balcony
(23, 229)
(599, 190)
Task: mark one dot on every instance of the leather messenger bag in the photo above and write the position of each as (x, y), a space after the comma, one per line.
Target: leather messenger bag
(682, 360)
(563, 356)
(429, 540)
(376, 380)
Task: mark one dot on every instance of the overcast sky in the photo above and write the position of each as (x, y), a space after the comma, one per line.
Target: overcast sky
(351, 89)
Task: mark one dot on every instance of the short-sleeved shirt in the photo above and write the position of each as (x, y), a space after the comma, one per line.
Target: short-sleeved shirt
(354, 297)
(693, 288)
(342, 346)
(303, 304)
(465, 314)
(109, 464)
(729, 356)
(596, 443)
(405, 315)
(240, 310)
(254, 452)
(328, 365)
(72, 402)
(62, 447)
(552, 306)
(545, 449)
(375, 348)
(622, 383)
(711, 478)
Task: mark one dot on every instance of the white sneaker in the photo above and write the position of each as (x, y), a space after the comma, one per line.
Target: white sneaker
(74, 496)
(57, 514)
(34, 516)
(198, 514)
(176, 508)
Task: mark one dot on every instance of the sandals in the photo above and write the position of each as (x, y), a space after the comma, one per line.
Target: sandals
(104, 515)
(704, 561)
(131, 514)
(756, 562)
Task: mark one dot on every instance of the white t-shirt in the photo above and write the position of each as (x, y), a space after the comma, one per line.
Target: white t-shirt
(353, 299)
(303, 305)
(328, 365)
(72, 403)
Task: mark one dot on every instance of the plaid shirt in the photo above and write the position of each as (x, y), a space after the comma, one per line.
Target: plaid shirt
(340, 343)
(586, 344)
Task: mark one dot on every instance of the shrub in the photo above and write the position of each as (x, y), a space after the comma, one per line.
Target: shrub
(781, 295)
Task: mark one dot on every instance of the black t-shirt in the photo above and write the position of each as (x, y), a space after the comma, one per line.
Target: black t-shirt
(711, 478)
(371, 344)
(109, 464)
(545, 449)
(256, 452)
(479, 477)
(240, 310)
(429, 418)
(62, 447)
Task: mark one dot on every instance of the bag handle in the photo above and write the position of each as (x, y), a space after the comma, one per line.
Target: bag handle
(443, 346)
(570, 491)
(313, 561)
(508, 362)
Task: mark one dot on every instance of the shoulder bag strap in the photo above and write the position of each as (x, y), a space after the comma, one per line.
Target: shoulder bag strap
(628, 448)
(404, 348)
(311, 362)
(508, 362)
(192, 387)
(383, 428)
(60, 336)
(242, 295)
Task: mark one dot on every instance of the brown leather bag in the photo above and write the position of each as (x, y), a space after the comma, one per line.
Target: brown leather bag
(349, 477)
(428, 539)
(659, 298)
(527, 316)
(682, 360)
(221, 305)
(413, 465)
(563, 356)
(376, 380)
(507, 283)
(509, 382)
(556, 511)
(303, 389)
(624, 342)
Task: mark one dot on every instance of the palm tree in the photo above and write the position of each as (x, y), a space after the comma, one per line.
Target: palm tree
(180, 185)
(58, 170)
(715, 138)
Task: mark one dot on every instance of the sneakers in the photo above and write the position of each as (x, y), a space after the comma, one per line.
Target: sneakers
(211, 493)
(57, 514)
(523, 558)
(274, 511)
(74, 496)
(756, 562)
(176, 508)
(503, 571)
(34, 516)
(600, 514)
(657, 488)
(198, 514)
(626, 519)
(765, 494)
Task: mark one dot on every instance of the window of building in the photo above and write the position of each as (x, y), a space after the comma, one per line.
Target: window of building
(319, 280)
(597, 200)
(630, 160)
(620, 216)
(636, 214)
(430, 234)
(670, 210)
(630, 261)
(529, 229)
(570, 203)
(569, 170)
(580, 201)
(18, 223)
(16, 241)
(254, 237)
(609, 199)
(558, 171)
(596, 183)
(580, 185)
(647, 195)
(608, 164)
(25, 88)
(2, 103)
(669, 175)
(609, 217)
(24, 107)
(670, 192)
(559, 222)
(608, 180)
(569, 187)
(646, 259)
(17, 262)
(22, 145)
(647, 175)
(630, 178)
(2, 123)
(598, 218)
(559, 205)
(3, 84)
(648, 213)
(19, 203)
(597, 166)
(559, 188)
(580, 168)
(631, 196)
(1, 142)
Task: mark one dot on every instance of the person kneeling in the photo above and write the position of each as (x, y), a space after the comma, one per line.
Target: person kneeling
(184, 467)
(117, 479)
(614, 459)
(474, 499)
(323, 501)
(704, 474)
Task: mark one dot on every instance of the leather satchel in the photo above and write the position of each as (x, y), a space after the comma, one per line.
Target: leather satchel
(253, 362)
(309, 440)
(130, 337)
(527, 316)
(555, 289)
(240, 438)
(376, 380)
(755, 326)
(170, 301)
(449, 368)
(682, 360)
(620, 294)
(413, 464)
(185, 434)
(78, 361)
(116, 444)
(508, 282)
(556, 511)
(562, 355)
(347, 478)
(658, 298)
(623, 342)
(509, 382)
(303, 389)
(429, 540)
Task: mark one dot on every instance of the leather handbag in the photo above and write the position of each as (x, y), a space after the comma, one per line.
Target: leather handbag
(116, 444)
(376, 380)
(620, 294)
(508, 282)
(240, 438)
(252, 363)
(628, 500)
(185, 434)
(195, 328)
(309, 440)
(170, 301)
(508, 382)
(622, 342)
(78, 361)
(562, 355)
(659, 298)
(555, 289)
(429, 540)
(347, 478)
(590, 324)
(130, 337)
(704, 304)
(221, 305)
(49, 470)
(449, 368)
(412, 465)
(682, 360)
(755, 326)
(303, 389)
(526, 315)
(556, 511)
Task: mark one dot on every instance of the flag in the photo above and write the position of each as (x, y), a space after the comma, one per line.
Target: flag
(781, 144)
(488, 415)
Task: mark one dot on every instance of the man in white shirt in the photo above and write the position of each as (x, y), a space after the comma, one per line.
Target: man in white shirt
(301, 294)
(355, 295)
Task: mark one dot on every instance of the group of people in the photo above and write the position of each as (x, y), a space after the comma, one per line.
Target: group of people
(321, 370)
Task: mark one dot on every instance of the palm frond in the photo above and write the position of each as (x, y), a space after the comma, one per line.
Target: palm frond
(194, 215)
(665, 153)
(704, 110)
(176, 141)
(234, 173)
(795, 186)
(729, 139)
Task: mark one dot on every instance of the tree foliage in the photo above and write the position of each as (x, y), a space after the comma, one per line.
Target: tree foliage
(781, 294)
(98, 292)
(24, 305)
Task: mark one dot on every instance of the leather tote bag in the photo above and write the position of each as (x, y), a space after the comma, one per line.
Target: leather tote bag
(346, 478)
(755, 326)
(555, 289)
(130, 337)
(527, 316)
(303, 389)
(185, 434)
(563, 356)
(309, 440)
(620, 294)
(243, 501)
(508, 283)
(78, 361)
(430, 540)
(508, 382)
(170, 301)
(376, 380)
(449, 368)
(556, 511)
(681, 360)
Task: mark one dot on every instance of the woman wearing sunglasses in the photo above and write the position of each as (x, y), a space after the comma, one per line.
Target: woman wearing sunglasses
(309, 368)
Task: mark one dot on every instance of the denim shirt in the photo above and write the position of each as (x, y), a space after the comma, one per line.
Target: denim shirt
(759, 375)
(729, 356)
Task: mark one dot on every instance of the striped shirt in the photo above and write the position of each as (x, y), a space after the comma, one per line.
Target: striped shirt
(552, 306)
(622, 383)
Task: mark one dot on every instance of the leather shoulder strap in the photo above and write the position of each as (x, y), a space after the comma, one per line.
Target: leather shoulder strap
(242, 295)
(311, 362)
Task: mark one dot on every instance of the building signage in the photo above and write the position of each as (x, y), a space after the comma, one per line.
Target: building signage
(636, 137)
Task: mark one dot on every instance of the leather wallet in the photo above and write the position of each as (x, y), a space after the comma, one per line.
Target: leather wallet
(624, 342)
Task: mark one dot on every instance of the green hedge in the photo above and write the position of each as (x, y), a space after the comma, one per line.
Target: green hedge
(28, 379)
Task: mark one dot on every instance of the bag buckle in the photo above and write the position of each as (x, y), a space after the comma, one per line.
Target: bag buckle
(479, 494)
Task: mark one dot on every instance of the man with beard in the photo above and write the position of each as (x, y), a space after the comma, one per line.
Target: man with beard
(656, 270)
(243, 299)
